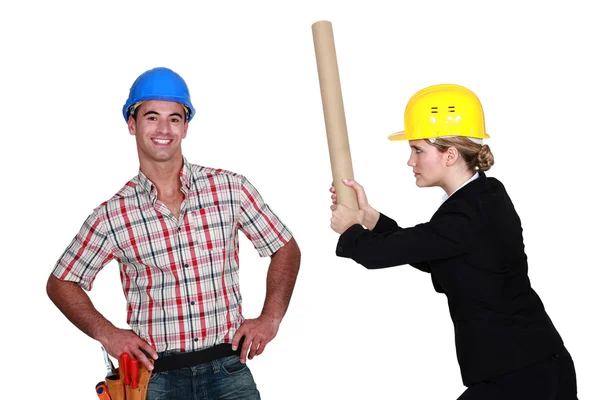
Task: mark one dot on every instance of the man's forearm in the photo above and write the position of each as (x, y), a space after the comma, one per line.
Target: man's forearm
(281, 279)
(76, 305)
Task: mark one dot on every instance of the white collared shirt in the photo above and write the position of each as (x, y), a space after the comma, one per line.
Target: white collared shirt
(445, 196)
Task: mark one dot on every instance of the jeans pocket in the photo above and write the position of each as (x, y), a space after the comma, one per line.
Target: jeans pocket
(232, 365)
(154, 376)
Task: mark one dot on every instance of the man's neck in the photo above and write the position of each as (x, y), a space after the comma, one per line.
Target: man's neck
(164, 175)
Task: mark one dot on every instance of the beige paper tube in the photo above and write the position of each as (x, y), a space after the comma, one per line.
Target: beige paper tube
(333, 110)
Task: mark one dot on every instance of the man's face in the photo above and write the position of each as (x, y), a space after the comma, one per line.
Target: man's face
(159, 128)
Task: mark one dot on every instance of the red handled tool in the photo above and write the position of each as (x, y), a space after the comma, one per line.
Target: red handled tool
(124, 364)
(102, 391)
(133, 371)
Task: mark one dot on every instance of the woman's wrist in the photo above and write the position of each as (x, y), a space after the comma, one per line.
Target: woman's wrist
(371, 216)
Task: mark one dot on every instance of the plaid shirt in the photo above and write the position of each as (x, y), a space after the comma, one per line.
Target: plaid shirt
(180, 277)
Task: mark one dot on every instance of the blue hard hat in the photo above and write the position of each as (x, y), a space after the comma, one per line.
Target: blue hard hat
(159, 84)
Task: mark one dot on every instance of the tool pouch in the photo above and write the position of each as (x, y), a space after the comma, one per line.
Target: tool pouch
(142, 388)
(119, 391)
(116, 387)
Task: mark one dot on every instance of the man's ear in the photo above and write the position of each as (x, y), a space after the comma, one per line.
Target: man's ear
(131, 125)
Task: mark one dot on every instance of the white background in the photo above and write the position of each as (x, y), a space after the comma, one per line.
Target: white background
(349, 333)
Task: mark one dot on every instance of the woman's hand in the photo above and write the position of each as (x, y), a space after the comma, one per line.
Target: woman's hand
(367, 216)
(343, 217)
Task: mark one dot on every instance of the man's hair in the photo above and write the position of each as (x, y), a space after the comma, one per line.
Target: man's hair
(136, 109)
(135, 113)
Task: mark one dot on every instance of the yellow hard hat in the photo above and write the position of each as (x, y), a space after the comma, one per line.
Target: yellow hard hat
(442, 110)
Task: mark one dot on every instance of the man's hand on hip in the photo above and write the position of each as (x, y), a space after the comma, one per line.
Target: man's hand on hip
(256, 333)
(123, 340)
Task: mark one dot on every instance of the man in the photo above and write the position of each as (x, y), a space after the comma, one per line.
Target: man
(173, 230)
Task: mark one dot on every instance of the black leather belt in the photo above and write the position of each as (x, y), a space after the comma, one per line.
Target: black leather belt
(183, 360)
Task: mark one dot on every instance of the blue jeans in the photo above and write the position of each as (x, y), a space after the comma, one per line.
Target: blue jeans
(226, 378)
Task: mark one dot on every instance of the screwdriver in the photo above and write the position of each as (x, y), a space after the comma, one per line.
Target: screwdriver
(124, 364)
(133, 370)
(111, 373)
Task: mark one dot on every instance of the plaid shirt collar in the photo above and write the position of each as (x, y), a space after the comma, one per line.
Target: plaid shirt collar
(146, 185)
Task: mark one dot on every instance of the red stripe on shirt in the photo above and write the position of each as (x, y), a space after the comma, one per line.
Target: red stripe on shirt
(271, 225)
(209, 244)
(213, 189)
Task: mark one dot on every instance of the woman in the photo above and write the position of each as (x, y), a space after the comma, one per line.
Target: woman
(473, 247)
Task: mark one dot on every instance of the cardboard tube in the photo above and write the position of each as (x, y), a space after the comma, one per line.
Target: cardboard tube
(333, 110)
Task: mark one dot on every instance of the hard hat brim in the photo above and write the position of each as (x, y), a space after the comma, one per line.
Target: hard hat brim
(402, 136)
(176, 99)
(397, 136)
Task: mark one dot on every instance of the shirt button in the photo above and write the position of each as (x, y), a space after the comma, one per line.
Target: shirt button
(185, 265)
(195, 339)
(193, 302)
(179, 229)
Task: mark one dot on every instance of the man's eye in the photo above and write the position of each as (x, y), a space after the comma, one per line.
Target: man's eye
(152, 118)
(175, 120)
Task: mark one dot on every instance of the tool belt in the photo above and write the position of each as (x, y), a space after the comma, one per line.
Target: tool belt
(123, 388)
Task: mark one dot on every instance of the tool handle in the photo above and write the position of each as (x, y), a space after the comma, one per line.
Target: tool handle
(133, 370)
(124, 363)
(102, 391)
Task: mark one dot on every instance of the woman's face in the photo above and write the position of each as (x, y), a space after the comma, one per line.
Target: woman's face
(427, 163)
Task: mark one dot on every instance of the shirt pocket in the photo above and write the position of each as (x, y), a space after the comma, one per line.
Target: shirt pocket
(213, 228)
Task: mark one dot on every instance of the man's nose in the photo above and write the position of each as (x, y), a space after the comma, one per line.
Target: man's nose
(163, 126)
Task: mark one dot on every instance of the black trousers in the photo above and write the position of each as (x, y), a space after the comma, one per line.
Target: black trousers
(550, 379)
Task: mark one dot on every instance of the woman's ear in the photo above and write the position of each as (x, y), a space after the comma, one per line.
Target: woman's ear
(452, 156)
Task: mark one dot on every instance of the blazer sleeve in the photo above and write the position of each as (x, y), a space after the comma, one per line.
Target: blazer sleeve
(386, 224)
(450, 233)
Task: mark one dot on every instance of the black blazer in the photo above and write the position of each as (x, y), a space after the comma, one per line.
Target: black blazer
(473, 248)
